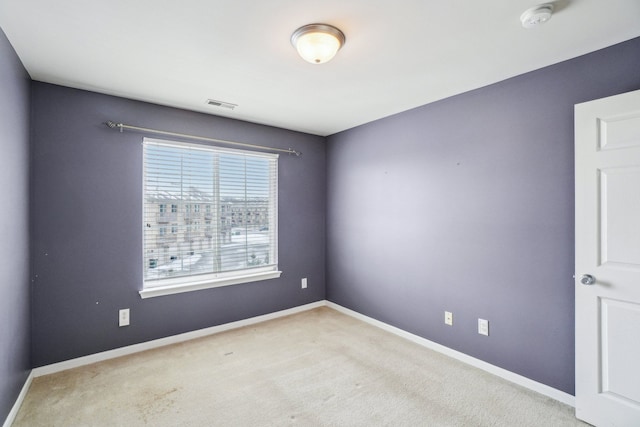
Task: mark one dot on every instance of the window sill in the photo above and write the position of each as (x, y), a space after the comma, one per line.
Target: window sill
(159, 291)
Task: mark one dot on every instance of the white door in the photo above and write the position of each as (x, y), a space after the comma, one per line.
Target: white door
(607, 150)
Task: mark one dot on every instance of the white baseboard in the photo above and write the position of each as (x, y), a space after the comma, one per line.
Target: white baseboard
(492, 369)
(16, 406)
(123, 351)
(135, 348)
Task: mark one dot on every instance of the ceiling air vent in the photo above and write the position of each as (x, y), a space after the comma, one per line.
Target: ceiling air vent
(221, 104)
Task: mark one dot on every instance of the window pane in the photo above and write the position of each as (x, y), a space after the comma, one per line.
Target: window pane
(222, 216)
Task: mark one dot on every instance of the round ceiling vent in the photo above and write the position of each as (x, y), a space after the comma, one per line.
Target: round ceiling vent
(536, 16)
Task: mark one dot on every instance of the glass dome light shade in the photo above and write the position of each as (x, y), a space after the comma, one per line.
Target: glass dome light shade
(317, 43)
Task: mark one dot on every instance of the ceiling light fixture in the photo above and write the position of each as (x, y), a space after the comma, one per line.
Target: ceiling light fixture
(536, 16)
(317, 43)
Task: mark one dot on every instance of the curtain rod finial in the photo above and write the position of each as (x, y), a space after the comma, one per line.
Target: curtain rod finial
(113, 125)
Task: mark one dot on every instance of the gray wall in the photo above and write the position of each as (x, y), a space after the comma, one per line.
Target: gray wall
(466, 205)
(86, 226)
(14, 226)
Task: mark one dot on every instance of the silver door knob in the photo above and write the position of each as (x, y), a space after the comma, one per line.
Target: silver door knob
(587, 279)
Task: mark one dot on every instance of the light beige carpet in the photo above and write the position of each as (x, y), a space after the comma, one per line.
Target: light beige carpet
(317, 368)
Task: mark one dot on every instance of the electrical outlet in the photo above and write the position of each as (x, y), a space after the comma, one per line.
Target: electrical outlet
(448, 318)
(483, 327)
(123, 317)
(304, 283)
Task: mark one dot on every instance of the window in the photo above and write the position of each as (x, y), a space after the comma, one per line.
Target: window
(222, 254)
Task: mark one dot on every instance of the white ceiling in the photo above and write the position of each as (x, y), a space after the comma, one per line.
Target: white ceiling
(398, 54)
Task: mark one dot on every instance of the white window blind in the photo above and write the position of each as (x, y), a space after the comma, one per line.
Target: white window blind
(221, 227)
